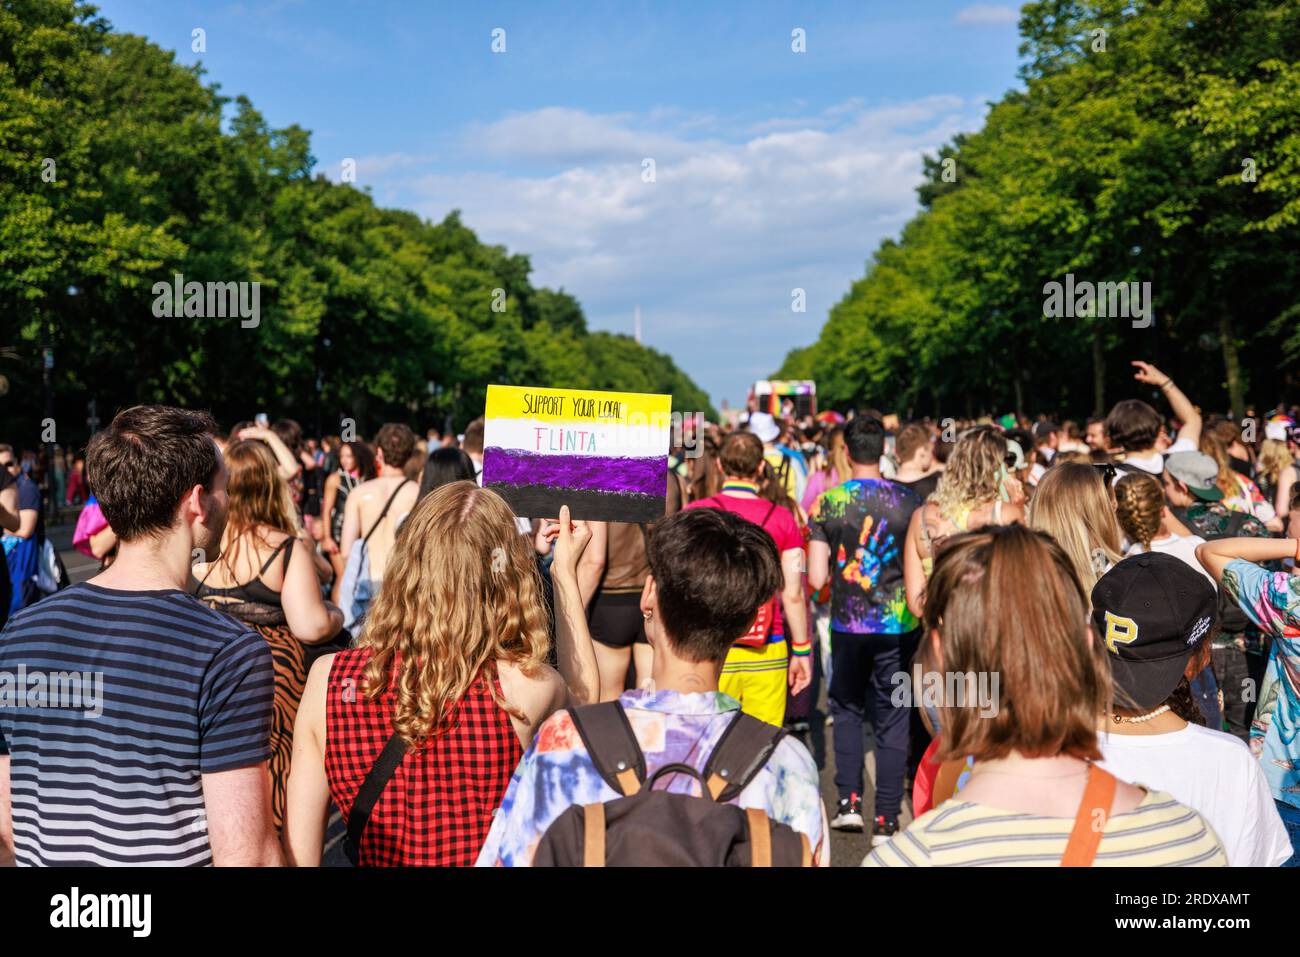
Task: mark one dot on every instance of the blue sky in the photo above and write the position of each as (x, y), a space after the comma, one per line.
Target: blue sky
(773, 170)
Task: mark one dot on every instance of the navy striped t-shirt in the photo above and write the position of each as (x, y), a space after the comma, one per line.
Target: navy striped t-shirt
(112, 705)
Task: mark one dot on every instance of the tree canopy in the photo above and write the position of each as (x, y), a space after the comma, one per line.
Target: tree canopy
(120, 168)
(1154, 141)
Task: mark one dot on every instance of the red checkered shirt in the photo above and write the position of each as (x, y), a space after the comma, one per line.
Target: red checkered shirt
(438, 807)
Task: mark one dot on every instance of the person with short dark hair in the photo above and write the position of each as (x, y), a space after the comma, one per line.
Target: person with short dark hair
(709, 572)
(914, 450)
(172, 741)
(1136, 431)
(23, 544)
(443, 466)
(1094, 434)
(858, 529)
(472, 443)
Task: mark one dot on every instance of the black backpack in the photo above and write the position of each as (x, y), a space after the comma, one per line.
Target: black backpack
(649, 828)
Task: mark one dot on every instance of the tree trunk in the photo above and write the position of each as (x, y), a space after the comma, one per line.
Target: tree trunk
(1232, 366)
(1098, 374)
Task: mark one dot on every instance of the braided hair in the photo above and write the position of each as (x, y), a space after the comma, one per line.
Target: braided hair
(1139, 505)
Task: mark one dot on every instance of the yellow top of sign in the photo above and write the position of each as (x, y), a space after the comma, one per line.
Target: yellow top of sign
(578, 405)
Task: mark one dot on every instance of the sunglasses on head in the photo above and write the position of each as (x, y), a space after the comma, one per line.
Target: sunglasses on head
(1108, 470)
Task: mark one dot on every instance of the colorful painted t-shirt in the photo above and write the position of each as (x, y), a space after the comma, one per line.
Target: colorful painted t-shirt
(556, 773)
(864, 521)
(1272, 601)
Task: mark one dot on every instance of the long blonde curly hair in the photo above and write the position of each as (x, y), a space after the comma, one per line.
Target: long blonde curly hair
(970, 477)
(461, 592)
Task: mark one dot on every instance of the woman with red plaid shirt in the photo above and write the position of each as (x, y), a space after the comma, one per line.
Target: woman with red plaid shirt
(453, 658)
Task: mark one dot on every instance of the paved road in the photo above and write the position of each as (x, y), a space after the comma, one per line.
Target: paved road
(847, 850)
(78, 565)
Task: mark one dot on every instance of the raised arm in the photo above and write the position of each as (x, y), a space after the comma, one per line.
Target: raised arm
(1216, 555)
(574, 652)
(1179, 403)
(288, 465)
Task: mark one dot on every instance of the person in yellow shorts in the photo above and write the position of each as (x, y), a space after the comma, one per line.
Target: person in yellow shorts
(760, 666)
(757, 678)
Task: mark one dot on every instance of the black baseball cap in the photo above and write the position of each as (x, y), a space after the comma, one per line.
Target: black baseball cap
(1150, 612)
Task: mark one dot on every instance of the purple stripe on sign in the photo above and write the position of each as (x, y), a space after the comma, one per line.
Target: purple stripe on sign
(601, 473)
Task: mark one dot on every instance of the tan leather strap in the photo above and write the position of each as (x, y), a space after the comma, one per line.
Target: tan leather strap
(593, 837)
(1098, 796)
(716, 783)
(760, 838)
(627, 780)
(805, 858)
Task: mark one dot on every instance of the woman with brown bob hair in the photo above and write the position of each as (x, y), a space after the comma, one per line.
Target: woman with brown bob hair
(449, 679)
(1005, 613)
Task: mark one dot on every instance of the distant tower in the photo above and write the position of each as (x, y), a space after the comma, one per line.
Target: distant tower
(636, 325)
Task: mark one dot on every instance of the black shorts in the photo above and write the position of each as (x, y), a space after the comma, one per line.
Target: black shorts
(615, 619)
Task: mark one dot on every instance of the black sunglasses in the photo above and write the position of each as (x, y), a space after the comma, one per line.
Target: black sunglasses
(1108, 470)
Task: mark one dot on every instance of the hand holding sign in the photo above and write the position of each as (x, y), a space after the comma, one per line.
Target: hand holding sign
(570, 541)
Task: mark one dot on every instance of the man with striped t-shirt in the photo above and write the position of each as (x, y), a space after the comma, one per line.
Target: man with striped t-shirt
(133, 719)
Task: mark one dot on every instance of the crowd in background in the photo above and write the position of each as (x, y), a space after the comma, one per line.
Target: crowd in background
(368, 657)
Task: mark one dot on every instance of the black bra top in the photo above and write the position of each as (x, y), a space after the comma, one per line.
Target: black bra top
(254, 592)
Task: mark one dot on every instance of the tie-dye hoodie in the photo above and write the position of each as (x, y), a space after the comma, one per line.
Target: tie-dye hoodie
(1272, 601)
(556, 772)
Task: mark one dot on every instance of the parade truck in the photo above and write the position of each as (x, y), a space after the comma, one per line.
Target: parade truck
(787, 398)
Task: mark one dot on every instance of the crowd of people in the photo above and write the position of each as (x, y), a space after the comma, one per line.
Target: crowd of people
(1073, 643)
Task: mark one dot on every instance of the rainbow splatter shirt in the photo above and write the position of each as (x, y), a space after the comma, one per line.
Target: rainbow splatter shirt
(1272, 601)
(864, 522)
(556, 772)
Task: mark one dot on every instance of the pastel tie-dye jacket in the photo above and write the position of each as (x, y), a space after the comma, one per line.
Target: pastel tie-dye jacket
(1272, 601)
(556, 773)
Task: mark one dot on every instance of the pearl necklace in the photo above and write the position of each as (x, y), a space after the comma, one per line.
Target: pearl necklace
(1139, 718)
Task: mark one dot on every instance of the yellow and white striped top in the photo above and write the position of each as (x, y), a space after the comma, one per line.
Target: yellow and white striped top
(1159, 832)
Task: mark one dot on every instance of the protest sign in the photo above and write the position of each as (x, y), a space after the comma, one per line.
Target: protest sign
(604, 454)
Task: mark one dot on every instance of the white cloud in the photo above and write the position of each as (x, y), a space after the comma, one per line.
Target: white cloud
(712, 249)
(987, 14)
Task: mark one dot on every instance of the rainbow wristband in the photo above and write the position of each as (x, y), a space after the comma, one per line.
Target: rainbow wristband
(801, 650)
